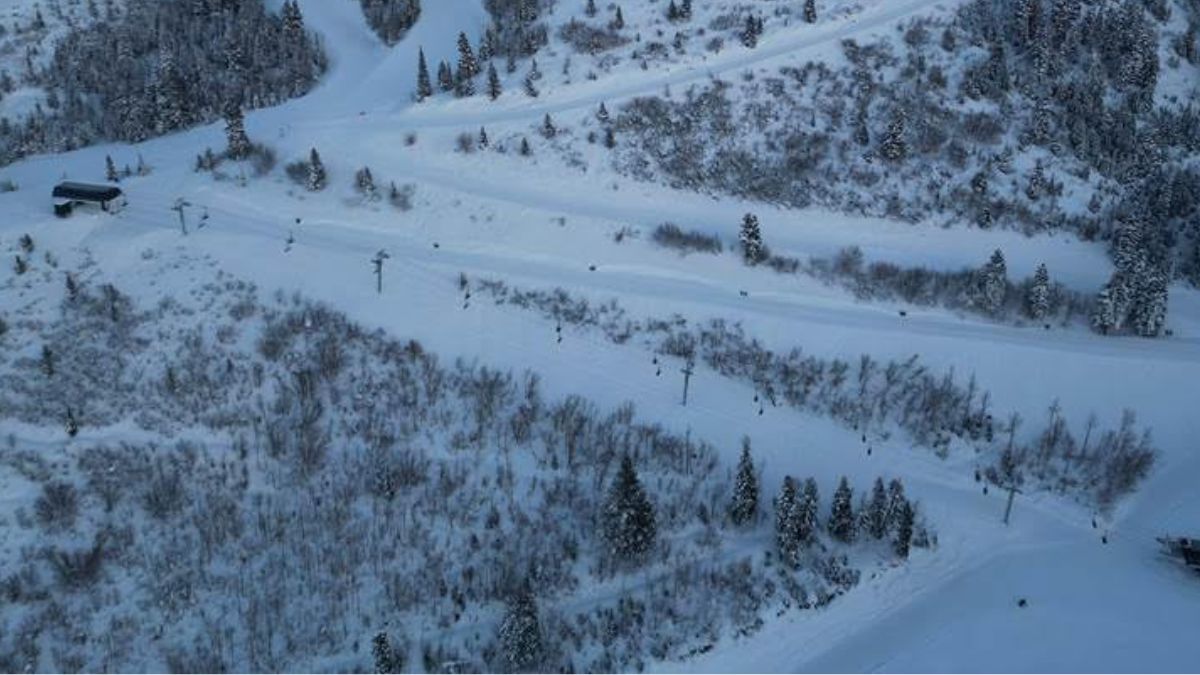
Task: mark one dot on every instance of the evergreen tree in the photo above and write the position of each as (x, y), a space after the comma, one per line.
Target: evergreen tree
(602, 113)
(47, 361)
(896, 500)
(1149, 313)
(483, 138)
(875, 516)
(520, 634)
(381, 649)
(685, 9)
(110, 170)
(548, 128)
(993, 284)
(237, 142)
(494, 89)
(610, 138)
(590, 10)
(317, 177)
(468, 67)
(673, 11)
(424, 86)
(525, 149)
(894, 148)
(628, 516)
(750, 237)
(750, 32)
(785, 513)
(445, 77)
(810, 11)
(1104, 312)
(744, 508)
(364, 182)
(1037, 301)
(905, 522)
(618, 22)
(841, 515)
(808, 507)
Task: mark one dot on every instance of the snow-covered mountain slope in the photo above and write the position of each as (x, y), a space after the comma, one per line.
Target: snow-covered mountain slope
(1111, 604)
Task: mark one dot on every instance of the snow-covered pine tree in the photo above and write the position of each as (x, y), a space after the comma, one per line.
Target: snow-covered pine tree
(381, 649)
(467, 65)
(905, 521)
(896, 499)
(525, 149)
(1104, 312)
(602, 113)
(110, 170)
(841, 515)
(808, 507)
(673, 11)
(785, 512)
(468, 68)
(317, 178)
(750, 32)
(685, 9)
(1149, 312)
(618, 22)
(810, 11)
(875, 517)
(751, 240)
(483, 138)
(993, 284)
(1037, 300)
(445, 77)
(610, 138)
(894, 148)
(364, 183)
(424, 85)
(628, 517)
(548, 128)
(520, 635)
(494, 89)
(237, 144)
(590, 9)
(743, 510)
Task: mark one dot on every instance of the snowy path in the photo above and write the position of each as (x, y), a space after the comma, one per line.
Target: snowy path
(1092, 607)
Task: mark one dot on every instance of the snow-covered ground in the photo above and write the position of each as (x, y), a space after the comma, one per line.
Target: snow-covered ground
(537, 222)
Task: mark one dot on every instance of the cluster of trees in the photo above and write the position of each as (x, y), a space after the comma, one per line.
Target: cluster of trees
(1057, 93)
(935, 410)
(157, 67)
(391, 19)
(369, 444)
(517, 31)
(1135, 298)
(887, 515)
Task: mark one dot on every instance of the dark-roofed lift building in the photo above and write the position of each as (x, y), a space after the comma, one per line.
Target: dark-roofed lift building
(69, 195)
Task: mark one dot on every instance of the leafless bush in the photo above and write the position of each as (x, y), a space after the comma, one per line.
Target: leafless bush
(57, 506)
(670, 235)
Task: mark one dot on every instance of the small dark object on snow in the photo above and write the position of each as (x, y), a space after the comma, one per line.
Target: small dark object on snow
(1104, 539)
(744, 294)
(591, 268)
(1022, 602)
(903, 312)
(436, 245)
